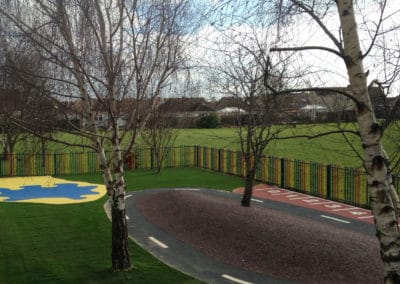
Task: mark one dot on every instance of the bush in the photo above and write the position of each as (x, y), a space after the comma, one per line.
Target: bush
(209, 121)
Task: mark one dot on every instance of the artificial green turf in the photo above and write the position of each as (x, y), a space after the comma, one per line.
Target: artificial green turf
(72, 243)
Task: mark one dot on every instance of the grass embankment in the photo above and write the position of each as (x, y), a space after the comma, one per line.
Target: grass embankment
(72, 243)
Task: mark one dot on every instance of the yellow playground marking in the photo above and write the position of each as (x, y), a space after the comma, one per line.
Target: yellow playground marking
(48, 190)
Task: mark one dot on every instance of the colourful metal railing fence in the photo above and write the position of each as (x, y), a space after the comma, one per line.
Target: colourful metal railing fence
(328, 181)
(181, 156)
(87, 162)
(343, 184)
(49, 164)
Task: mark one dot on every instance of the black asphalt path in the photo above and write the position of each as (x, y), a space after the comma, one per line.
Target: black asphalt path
(187, 259)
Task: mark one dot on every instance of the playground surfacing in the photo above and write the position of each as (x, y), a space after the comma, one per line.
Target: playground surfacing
(48, 190)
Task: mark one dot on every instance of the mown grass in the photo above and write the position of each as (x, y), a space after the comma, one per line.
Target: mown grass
(71, 243)
(338, 149)
(329, 149)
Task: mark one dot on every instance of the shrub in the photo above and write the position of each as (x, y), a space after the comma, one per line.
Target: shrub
(209, 121)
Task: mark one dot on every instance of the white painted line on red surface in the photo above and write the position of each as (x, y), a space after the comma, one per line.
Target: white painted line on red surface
(335, 219)
(157, 242)
(257, 200)
(312, 200)
(358, 213)
(321, 203)
(345, 209)
(234, 279)
(298, 198)
(285, 193)
(365, 217)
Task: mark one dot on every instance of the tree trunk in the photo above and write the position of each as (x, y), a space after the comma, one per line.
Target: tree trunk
(376, 162)
(120, 250)
(159, 160)
(248, 188)
(43, 143)
(121, 259)
(120, 255)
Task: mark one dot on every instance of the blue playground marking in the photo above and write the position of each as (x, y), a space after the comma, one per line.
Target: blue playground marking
(62, 190)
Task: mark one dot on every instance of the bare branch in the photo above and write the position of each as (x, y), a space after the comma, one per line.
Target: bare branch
(301, 48)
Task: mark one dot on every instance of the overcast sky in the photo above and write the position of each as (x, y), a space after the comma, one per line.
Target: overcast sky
(327, 69)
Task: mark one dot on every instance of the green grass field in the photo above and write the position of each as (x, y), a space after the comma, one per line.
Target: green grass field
(72, 243)
(330, 149)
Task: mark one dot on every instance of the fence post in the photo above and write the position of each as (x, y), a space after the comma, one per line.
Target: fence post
(283, 177)
(56, 171)
(219, 160)
(196, 152)
(152, 158)
(329, 181)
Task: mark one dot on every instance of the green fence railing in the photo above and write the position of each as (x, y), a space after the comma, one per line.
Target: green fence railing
(328, 181)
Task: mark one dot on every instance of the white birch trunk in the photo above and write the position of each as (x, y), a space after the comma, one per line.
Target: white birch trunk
(376, 162)
(116, 192)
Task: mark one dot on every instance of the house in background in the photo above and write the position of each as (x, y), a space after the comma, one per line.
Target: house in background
(76, 113)
(314, 111)
(186, 111)
(324, 105)
(327, 105)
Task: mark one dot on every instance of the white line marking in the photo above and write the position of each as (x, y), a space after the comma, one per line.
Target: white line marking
(188, 189)
(312, 200)
(127, 196)
(335, 219)
(365, 217)
(257, 200)
(285, 193)
(345, 209)
(234, 279)
(127, 217)
(298, 198)
(357, 213)
(157, 242)
(321, 203)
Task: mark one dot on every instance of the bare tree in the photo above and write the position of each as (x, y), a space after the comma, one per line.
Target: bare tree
(160, 135)
(19, 100)
(10, 134)
(260, 123)
(101, 56)
(247, 74)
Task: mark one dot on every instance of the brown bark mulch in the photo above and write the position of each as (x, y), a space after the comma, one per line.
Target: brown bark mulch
(264, 240)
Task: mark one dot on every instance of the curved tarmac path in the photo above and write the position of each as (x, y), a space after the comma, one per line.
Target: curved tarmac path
(206, 234)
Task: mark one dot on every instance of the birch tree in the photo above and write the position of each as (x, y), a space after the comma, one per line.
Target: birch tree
(346, 45)
(104, 56)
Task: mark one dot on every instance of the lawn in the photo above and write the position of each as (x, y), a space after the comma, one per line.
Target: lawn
(71, 243)
(330, 149)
